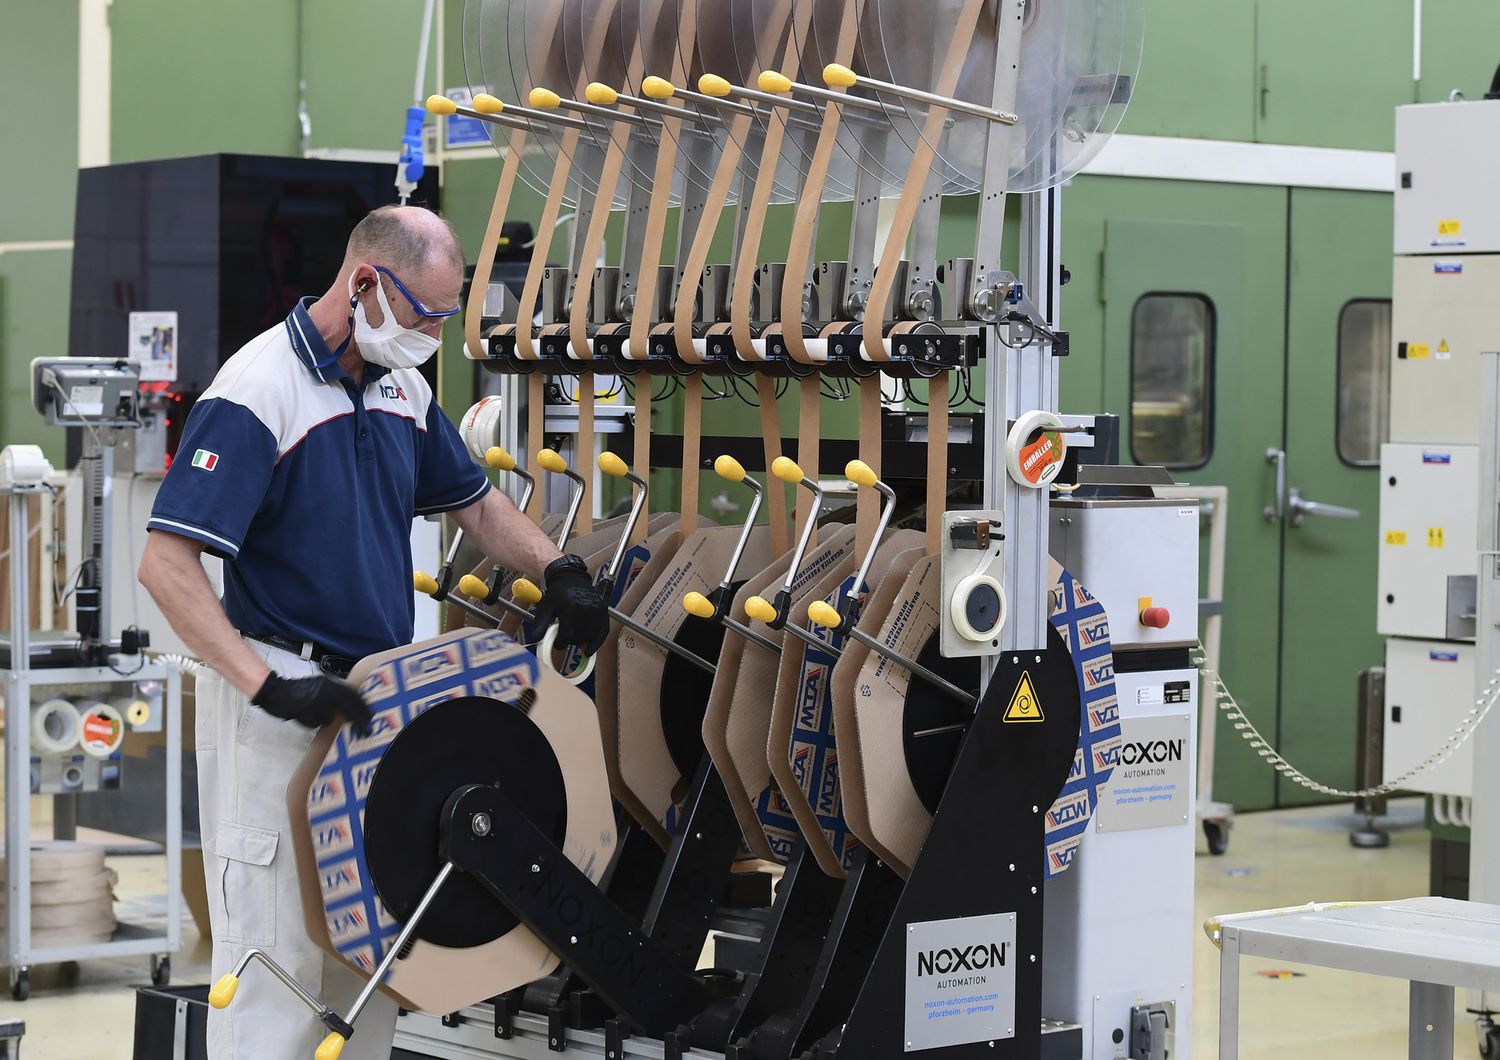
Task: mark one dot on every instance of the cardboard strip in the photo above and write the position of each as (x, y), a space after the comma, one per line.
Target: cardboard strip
(802, 743)
(642, 424)
(809, 428)
(867, 502)
(344, 915)
(692, 448)
(937, 460)
(737, 722)
(770, 436)
(474, 345)
(583, 459)
(648, 701)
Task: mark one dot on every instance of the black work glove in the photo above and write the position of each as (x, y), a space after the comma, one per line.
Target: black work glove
(574, 602)
(312, 701)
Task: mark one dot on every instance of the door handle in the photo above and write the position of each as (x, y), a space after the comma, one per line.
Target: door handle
(1301, 509)
(1277, 459)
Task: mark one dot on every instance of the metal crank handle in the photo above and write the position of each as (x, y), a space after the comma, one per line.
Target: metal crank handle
(341, 1029)
(778, 85)
(700, 606)
(490, 109)
(530, 595)
(659, 88)
(601, 95)
(861, 474)
(550, 460)
(483, 592)
(427, 585)
(842, 77)
(501, 460)
(611, 465)
(545, 99)
(825, 615)
(730, 469)
(527, 593)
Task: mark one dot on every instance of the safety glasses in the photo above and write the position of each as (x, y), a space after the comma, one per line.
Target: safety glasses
(421, 309)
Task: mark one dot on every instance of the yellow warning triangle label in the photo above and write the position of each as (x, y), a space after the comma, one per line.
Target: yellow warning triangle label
(1024, 705)
(1443, 346)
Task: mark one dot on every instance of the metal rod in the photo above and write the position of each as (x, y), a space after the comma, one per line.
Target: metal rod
(935, 100)
(528, 487)
(915, 667)
(637, 506)
(575, 503)
(607, 114)
(749, 527)
(842, 98)
(714, 101)
(807, 533)
(522, 118)
(663, 642)
(886, 510)
(378, 976)
(658, 107)
(286, 980)
(776, 101)
(750, 635)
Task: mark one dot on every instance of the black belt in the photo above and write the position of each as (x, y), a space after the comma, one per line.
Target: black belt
(331, 663)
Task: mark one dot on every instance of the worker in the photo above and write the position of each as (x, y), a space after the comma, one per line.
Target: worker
(302, 466)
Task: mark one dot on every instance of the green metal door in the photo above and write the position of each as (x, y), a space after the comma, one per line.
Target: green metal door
(1337, 377)
(1193, 295)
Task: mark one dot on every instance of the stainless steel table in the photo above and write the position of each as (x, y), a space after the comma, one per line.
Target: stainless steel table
(1436, 943)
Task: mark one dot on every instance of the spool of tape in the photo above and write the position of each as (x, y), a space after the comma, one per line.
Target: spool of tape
(55, 727)
(1035, 450)
(102, 730)
(480, 425)
(137, 711)
(978, 608)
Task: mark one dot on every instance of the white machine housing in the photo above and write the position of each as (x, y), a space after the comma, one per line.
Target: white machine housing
(1429, 686)
(1445, 156)
(1428, 519)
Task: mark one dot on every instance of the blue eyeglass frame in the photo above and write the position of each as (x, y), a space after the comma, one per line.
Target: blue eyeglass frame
(421, 309)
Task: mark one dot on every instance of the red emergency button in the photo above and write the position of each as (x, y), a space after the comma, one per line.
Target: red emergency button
(1156, 617)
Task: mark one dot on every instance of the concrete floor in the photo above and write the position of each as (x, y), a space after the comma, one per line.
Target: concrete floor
(1274, 859)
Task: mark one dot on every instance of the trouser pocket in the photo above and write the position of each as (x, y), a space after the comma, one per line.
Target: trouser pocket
(247, 884)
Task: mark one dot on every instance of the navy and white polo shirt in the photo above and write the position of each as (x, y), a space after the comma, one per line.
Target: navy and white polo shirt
(307, 486)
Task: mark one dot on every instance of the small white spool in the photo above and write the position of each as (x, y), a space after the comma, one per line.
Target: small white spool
(134, 709)
(1041, 467)
(544, 653)
(480, 425)
(102, 728)
(958, 608)
(55, 727)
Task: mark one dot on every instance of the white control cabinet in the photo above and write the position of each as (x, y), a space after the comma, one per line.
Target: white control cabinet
(1428, 521)
(1429, 687)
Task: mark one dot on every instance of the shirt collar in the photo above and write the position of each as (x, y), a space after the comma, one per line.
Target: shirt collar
(314, 353)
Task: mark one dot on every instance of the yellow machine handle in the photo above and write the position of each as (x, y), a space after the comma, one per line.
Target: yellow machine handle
(824, 614)
(525, 592)
(658, 88)
(424, 583)
(545, 99)
(714, 85)
(499, 459)
(860, 473)
(485, 103)
(760, 609)
(727, 467)
(551, 460)
(601, 95)
(786, 469)
(775, 82)
(837, 76)
(223, 992)
(331, 1047)
(698, 604)
(472, 587)
(612, 465)
(442, 106)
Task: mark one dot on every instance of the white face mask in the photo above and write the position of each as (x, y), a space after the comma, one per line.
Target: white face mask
(390, 344)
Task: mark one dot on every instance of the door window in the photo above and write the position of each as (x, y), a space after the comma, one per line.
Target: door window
(1364, 412)
(1171, 380)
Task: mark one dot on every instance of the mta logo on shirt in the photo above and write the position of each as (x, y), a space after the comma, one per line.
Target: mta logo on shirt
(391, 390)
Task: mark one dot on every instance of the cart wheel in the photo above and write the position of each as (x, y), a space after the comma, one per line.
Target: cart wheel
(161, 971)
(1217, 834)
(1489, 1038)
(20, 986)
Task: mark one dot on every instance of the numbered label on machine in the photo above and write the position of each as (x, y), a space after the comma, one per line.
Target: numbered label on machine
(973, 606)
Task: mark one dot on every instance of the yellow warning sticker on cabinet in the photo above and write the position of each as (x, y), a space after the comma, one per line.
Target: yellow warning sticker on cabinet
(1443, 353)
(1024, 706)
(1449, 228)
(1434, 537)
(1395, 537)
(1418, 351)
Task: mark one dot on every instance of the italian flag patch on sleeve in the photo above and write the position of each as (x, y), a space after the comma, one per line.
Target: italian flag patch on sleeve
(206, 460)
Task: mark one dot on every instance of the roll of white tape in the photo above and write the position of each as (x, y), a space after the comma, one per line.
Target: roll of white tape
(23, 465)
(480, 426)
(136, 710)
(1035, 450)
(978, 608)
(102, 729)
(55, 727)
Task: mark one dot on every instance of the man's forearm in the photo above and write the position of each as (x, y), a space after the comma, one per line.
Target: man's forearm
(506, 535)
(172, 571)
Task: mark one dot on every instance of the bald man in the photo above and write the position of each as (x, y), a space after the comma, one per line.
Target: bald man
(303, 466)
